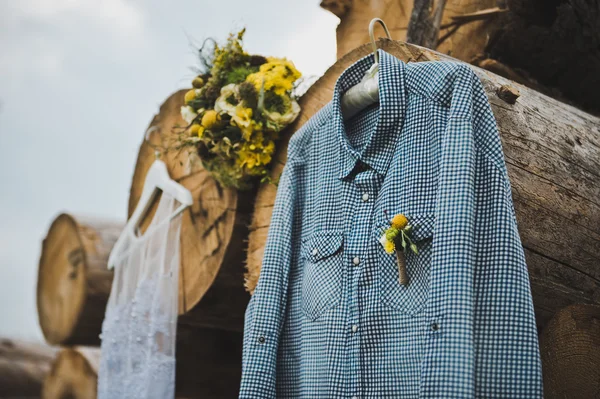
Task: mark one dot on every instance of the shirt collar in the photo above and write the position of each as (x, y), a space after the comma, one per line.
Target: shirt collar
(379, 148)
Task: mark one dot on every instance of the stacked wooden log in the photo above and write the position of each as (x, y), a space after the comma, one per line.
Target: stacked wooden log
(74, 374)
(552, 152)
(23, 367)
(74, 283)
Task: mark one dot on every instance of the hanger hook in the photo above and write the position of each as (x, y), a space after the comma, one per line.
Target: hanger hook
(372, 35)
(151, 130)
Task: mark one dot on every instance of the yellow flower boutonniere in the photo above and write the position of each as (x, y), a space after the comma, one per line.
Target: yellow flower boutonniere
(396, 238)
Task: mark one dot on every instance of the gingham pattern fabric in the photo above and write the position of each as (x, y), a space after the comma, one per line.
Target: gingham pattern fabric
(328, 318)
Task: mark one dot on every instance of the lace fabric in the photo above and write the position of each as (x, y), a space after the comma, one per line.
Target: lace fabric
(139, 328)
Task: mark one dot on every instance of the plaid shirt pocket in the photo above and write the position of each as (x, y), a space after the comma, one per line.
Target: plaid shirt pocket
(410, 298)
(322, 280)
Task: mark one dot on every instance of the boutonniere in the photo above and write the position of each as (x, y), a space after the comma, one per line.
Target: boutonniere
(396, 238)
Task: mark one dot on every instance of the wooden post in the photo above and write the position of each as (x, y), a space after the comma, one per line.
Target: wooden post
(425, 21)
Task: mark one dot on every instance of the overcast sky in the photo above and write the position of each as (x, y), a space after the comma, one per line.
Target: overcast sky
(79, 82)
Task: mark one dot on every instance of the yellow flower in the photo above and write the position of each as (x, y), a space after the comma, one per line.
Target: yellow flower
(389, 247)
(384, 241)
(210, 119)
(244, 113)
(198, 82)
(290, 69)
(243, 120)
(190, 96)
(399, 221)
(194, 129)
(254, 155)
(200, 131)
(278, 75)
(264, 159)
(246, 158)
(270, 147)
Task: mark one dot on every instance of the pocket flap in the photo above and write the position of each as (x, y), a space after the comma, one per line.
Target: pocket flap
(322, 244)
(422, 226)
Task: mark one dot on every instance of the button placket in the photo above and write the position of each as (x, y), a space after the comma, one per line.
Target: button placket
(365, 187)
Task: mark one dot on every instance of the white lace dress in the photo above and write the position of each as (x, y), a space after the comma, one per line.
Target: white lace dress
(138, 333)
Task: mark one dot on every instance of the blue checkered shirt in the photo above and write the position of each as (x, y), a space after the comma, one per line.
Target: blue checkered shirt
(329, 318)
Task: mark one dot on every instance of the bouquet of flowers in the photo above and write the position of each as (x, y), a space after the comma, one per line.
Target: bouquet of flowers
(237, 108)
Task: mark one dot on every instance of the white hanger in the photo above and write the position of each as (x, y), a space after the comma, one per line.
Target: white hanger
(366, 92)
(157, 180)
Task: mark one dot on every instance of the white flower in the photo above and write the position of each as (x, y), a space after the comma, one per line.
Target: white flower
(383, 240)
(221, 104)
(278, 121)
(188, 114)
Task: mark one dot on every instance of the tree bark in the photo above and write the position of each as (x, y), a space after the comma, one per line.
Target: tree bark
(570, 349)
(213, 229)
(552, 151)
(73, 281)
(23, 367)
(424, 24)
(74, 374)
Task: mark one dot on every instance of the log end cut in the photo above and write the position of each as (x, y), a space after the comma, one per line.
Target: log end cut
(74, 374)
(72, 274)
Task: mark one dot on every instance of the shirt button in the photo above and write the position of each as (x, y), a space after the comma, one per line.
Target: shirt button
(261, 339)
(365, 197)
(354, 328)
(356, 261)
(315, 251)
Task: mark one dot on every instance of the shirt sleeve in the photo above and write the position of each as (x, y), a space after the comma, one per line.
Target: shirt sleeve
(265, 313)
